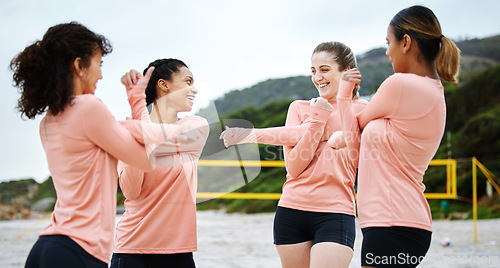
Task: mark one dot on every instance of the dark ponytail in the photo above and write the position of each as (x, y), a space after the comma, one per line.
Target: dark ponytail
(164, 69)
(43, 71)
(422, 25)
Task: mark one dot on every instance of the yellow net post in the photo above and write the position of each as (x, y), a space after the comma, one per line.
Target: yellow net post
(474, 196)
(489, 175)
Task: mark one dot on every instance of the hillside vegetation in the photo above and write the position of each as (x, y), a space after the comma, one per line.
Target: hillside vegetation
(473, 121)
(477, 55)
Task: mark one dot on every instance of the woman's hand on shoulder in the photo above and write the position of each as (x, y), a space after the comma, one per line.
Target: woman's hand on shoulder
(134, 78)
(352, 75)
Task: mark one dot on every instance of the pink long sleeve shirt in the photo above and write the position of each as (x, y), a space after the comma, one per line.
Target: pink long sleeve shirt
(82, 145)
(402, 127)
(160, 205)
(319, 178)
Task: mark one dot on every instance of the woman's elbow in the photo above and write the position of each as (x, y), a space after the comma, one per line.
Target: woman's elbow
(146, 166)
(293, 172)
(130, 189)
(130, 195)
(141, 163)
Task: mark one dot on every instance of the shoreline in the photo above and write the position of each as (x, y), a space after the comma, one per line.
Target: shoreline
(245, 240)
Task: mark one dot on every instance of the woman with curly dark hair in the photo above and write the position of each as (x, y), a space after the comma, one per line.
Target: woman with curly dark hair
(82, 142)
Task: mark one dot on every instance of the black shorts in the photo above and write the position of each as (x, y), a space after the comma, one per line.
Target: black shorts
(292, 226)
(178, 260)
(60, 251)
(394, 246)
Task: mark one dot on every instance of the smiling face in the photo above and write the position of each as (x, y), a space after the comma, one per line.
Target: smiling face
(325, 75)
(92, 73)
(181, 92)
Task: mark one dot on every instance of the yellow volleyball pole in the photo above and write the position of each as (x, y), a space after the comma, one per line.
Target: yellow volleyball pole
(474, 196)
(489, 175)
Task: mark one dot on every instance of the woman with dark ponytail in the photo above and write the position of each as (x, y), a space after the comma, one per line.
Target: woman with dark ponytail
(158, 228)
(401, 129)
(82, 141)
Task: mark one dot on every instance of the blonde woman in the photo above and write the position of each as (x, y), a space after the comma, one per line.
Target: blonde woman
(314, 225)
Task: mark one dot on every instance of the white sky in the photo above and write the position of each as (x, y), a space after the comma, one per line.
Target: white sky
(227, 45)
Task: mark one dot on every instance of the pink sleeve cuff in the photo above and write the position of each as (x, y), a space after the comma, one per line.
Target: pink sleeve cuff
(345, 90)
(137, 101)
(320, 115)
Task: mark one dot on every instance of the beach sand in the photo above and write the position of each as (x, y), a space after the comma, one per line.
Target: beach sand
(242, 240)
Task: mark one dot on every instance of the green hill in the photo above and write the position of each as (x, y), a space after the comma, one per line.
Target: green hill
(477, 55)
(473, 119)
(272, 90)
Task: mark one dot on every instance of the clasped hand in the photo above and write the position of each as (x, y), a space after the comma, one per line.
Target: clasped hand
(134, 78)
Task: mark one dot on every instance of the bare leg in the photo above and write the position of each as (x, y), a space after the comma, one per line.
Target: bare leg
(295, 255)
(329, 254)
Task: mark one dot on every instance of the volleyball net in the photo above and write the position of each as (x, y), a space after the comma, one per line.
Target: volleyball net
(449, 164)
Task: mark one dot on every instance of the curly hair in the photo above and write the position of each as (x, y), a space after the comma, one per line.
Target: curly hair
(43, 71)
(164, 69)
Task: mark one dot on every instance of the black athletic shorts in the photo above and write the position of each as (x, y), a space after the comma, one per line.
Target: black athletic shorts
(394, 246)
(60, 251)
(178, 260)
(292, 226)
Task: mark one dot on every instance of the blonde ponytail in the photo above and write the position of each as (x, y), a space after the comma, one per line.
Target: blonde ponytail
(447, 61)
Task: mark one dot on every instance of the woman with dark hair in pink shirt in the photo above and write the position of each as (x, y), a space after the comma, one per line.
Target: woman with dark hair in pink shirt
(82, 142)
(314, 225)
(158, 228)
(402, 127)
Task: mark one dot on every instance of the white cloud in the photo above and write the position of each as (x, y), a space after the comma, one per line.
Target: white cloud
(227, 45)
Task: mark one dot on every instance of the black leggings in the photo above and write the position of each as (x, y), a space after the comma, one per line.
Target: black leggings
(179, 260)
(394, 246)
(60, 251)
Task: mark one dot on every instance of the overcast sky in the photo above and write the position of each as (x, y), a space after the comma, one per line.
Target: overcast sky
(227, 45)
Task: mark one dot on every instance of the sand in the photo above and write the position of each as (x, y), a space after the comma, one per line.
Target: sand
(241, 240)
